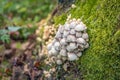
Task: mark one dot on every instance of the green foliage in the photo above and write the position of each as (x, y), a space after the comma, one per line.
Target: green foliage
(102, 60)
(5, 38)
(23, 31)
(21, 12)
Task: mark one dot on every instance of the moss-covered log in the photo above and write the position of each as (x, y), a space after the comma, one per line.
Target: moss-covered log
(102, 17)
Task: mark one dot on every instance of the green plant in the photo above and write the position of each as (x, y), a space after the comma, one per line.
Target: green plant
(24, 32)
(24, 12)
(4, 37)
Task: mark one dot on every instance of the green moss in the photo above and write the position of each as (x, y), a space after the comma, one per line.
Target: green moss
(60, 19)
(102, 60)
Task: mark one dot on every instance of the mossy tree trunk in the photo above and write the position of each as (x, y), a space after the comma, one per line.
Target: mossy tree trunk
(102, 17)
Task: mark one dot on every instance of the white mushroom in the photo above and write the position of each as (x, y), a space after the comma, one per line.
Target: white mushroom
(66, 26)
(58, 35)
(49, 46)
(54, 40)
(53, 51)
(81, 41)
(80, 27)
(61, 28)
(63, 52)
(71, 47)
(65, 34)
(72, 56)
(72, 25)
(71, 38)
(78, 34)
(63, 42)
(59, 62)
(57, 44)
(64, 58)
(79, 54)
(72, 31)
(59, 56)
(85, 36)
(87, 45)
(50, 53)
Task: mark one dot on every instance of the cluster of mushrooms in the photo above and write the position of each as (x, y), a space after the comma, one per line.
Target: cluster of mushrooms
(69, 42)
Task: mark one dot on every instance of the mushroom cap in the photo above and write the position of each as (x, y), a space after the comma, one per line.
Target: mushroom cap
(78, 34)
(71, 38)
(61, 28)
(87, 45)
(57, 44)
(59, 61)
(58, 35)
(66, 27)
(85, 36)
(63, 42)
(71, 47)
(72, 31)
(72, 24)
(49, 46)
(59, 56)
(63, 52)
(80, 45)
(79, 54)
(50, 53)
(81, 41)
(80, 27)
(72, 56)
(53, 51)
(65, 34)
(54, 40)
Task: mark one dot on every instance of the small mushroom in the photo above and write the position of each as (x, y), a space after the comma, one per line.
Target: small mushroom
(65, 34)
(79, 54)
(71, 38)
(85, 36)
(71, 47)
(78, 34)
(57, 46)
(72, 56)
(58, 35)
(49, 46)
(87, 45)
(79, 45)
(64, 58)
(63, 42)
(61, 28)
(72, 31)
(72, 25)
(50, 53)
(67, 27)
(53, 51)
(59, 62)
(59, 56)
(80, 27)
(63, 52)
(81, 41)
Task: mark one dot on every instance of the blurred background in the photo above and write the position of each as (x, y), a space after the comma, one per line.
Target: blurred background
(19, 12)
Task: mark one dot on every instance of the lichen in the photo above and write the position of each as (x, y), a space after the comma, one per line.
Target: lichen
(101, 61)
